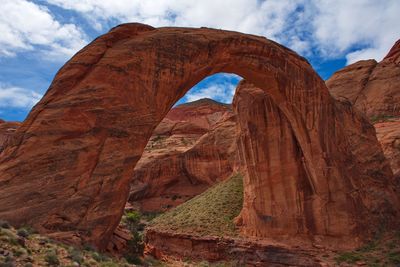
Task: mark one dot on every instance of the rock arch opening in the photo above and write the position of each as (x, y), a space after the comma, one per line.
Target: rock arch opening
(67, 169)
(191, 149)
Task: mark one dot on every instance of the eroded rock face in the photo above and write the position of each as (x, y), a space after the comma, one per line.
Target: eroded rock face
(68, 169)
(281, 199)
(243, 252)
(371, 87)
(7, 129)
(192, 148)
(388, 134)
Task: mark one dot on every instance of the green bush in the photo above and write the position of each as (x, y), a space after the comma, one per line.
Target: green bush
(132, 220)
(51, 258)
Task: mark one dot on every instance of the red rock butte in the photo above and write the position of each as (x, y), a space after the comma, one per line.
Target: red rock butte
(67, 169)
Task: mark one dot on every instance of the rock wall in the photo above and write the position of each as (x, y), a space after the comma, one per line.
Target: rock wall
(243, 252)
(180, 161)
(281, 199)
(68, 169)
(372, 87)
(388, 134)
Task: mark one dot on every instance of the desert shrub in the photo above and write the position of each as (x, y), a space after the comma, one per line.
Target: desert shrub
(348, 257)
(99, 257)
(109, 264)
(133, 259)
(75, 255)
(51, 258)
(4, 224)
(7, 262)
(88, 247)
(394, 257)
(19, 251)
(132, 220)
(22, 232)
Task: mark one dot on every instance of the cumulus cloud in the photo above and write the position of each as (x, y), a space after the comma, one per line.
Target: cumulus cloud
(16, 97)
(222, 92)
(26, 26)
(360, 29)
(267, 18)
(326, 28)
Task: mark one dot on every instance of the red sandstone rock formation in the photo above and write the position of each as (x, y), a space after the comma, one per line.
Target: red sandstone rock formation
(280, 196)
(388, 134)
(243, 252)
(191, 149)
(68, 169)
(7, 129)
(373, 88)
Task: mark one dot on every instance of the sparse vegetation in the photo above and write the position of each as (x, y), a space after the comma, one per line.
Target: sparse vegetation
(23, 247)
(384, 250)
(210, 213)
(380, 118)
(51, 258)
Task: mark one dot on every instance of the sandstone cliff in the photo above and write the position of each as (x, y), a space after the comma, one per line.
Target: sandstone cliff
(372, 87)
(193, 147)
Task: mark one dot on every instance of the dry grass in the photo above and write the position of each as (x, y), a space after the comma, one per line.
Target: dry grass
(210, 213)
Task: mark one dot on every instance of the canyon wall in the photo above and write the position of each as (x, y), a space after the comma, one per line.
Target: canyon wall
(192, 148)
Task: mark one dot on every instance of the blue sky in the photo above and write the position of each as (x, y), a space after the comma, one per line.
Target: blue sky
(38, 36)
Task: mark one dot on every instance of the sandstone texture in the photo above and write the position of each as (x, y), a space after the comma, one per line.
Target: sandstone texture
(7, 129)
(372, 87)
(388, 134)
(192, 148)
(243, 252)
(280, 197)
(68, 168)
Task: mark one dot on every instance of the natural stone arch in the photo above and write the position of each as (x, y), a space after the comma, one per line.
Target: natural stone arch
(67, 169)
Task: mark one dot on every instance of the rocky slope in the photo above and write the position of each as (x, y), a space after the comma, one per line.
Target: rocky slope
(191, 149)
(372, 87)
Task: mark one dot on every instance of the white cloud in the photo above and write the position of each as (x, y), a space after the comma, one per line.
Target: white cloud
(16, 97)
(222, 92)
(267, 18)
(369, 27)
(26, 26)
(330, 28)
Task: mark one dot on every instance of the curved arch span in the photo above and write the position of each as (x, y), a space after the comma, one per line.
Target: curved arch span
(67, 169)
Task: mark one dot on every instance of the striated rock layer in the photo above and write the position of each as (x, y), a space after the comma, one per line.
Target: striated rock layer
(68, 167)
(243, 252)
(388, 134)
(7, 129)
(281, 199)
(372, 87)
(192, 148)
